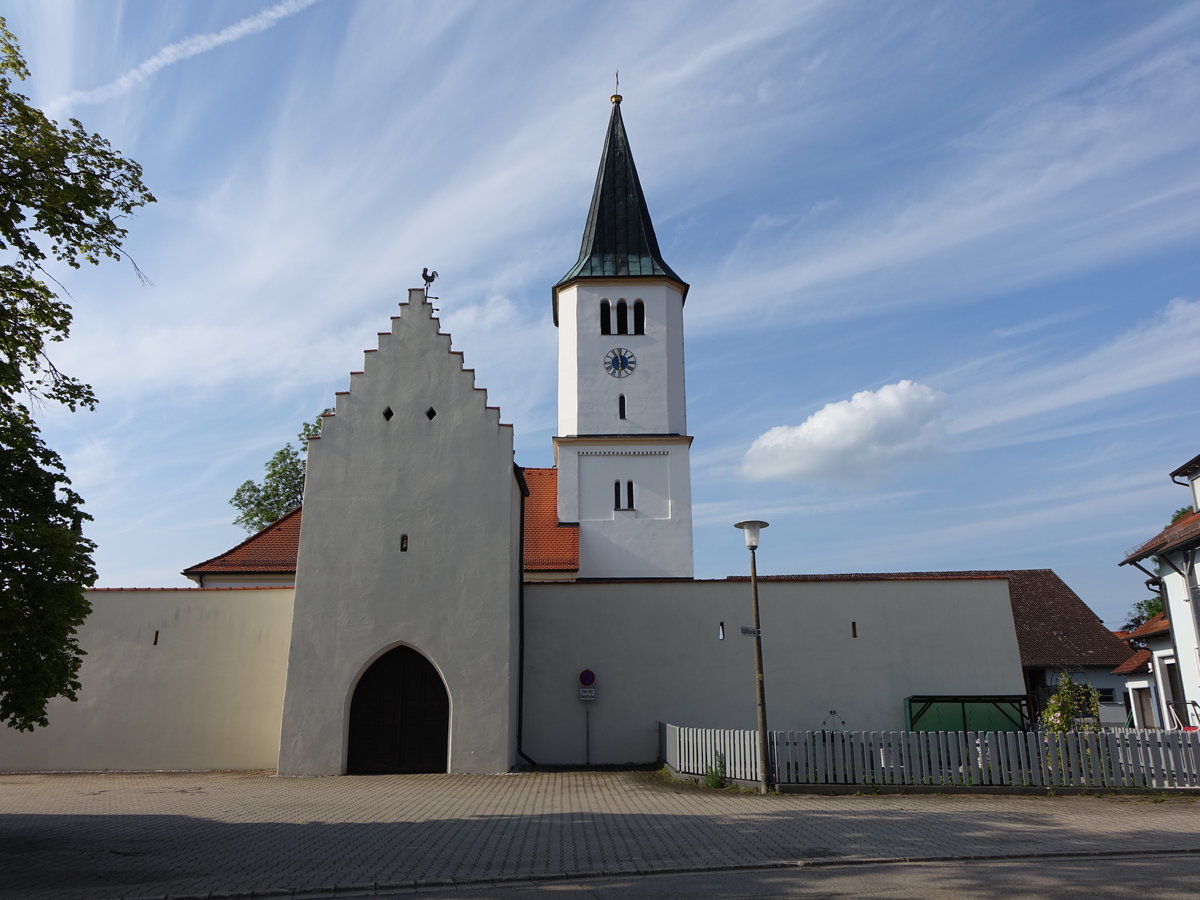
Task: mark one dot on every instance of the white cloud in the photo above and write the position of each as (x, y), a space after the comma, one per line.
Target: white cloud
(853, 438)
(179, 51)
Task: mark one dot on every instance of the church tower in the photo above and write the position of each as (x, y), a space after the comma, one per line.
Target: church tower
(622, 444)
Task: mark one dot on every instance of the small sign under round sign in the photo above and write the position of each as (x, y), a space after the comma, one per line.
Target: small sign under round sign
(587, 677)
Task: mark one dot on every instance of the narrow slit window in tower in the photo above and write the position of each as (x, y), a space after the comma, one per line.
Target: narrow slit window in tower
(605, 317)
(629, 494)
(616, 495)
(404, 543)
(621, 406)
(639, 317)
(622, 317)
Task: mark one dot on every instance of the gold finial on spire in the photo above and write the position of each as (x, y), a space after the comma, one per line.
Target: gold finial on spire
(616, 97)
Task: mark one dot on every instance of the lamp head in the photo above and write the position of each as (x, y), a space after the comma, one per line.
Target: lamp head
(750, 530)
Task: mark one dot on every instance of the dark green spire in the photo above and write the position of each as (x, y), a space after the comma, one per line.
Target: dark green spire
(618, 240)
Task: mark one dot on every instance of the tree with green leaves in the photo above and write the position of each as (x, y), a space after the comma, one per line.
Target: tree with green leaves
(1142, 611)
(45, 564)
(63, 195)
(282, 488)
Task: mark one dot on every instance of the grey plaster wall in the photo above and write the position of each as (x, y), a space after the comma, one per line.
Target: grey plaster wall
(413, 450)
(173, 679)
(655, 650)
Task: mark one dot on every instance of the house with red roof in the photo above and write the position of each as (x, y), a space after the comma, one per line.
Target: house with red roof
(1150, 674)
(1171, 559)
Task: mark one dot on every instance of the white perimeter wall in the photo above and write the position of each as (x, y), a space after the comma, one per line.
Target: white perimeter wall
(654, 648)
(209, 695)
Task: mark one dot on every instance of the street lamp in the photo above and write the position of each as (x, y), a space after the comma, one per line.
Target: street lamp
(750, 530)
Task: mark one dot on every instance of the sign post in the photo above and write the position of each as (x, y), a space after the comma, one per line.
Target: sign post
(587, 695)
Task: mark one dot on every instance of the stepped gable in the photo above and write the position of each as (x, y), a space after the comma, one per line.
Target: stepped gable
(549, 546)
(416, 302)
(271, 551)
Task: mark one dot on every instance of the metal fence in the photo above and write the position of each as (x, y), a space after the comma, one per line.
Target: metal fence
(1114, 758)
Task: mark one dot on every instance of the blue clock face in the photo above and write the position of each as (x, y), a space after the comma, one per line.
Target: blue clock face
(619, 362)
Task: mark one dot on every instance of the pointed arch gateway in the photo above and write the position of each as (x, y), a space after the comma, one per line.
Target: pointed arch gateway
(399, 717)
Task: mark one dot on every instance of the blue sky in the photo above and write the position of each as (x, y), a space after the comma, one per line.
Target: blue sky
(945, 302)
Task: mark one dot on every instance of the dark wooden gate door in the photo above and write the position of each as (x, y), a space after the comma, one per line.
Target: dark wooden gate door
(399, 717)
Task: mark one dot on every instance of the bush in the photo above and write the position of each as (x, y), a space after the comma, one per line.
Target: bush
(714, 775)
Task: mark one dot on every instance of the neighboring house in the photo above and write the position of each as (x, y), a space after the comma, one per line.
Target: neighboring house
(1171, 560)
(1145, 670)
(1057, 632)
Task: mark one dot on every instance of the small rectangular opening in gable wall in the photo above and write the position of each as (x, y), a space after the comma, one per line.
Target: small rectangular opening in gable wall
(430, 413)
(155, 644)
(404, 543)
(387, 414)
(853, 629)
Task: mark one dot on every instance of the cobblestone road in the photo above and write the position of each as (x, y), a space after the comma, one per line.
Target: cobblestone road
(191, 835)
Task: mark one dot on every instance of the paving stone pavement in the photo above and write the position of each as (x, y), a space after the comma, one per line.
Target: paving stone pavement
(99, 836)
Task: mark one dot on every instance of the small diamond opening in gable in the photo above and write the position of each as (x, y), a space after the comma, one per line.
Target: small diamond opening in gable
(387, 413)
(430, 413)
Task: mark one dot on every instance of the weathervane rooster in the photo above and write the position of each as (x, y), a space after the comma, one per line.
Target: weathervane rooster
(429, 277)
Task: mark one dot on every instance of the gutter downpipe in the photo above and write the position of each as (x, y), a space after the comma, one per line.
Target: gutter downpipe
(521, 621)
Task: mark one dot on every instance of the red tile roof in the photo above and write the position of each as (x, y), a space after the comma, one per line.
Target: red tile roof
(549, 547)
(1136, 664)
(1055, 627)
(1177, 534)
(270, 552)
(1159, 624)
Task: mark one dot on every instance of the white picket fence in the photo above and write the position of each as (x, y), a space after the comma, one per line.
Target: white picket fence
(1114, 758)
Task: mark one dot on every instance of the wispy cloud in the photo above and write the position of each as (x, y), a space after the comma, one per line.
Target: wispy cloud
(1157, 352)
(726, 511)
(179, 51)
(1081, 168)
(1038, 324)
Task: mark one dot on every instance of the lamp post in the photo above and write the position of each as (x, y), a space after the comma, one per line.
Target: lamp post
(750, 530)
